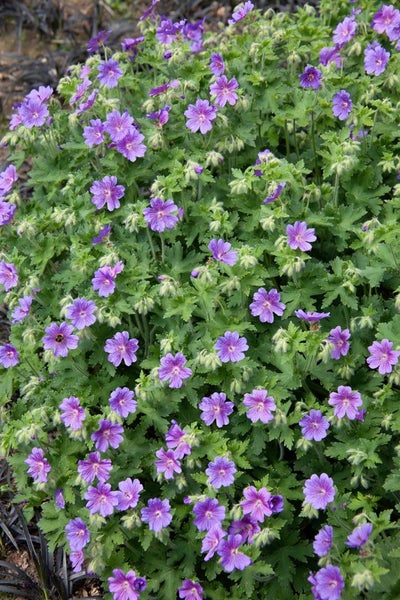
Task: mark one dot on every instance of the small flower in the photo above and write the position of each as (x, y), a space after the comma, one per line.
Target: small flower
(231, 557)
(260, 406)
(94, 133)
(344, 31)
(345, 402)
(60, 339)
(38, 466)
(319, 491)
(211, 541)
(328, 583)
(323, 541)
(359, 536)
(101, 499)
(159, 216)
(122, 585)
(311, 316)
(385, 18)
(176, 439)
(81, 313)
(241, 12)
(128, 494)
(104, 279)
(109, 73)
(33, 113)
(59, 499)
(257, 503)
(20, 312)
(94, 467)
(231, 347)
(266, 304)
(8, 275)
(299, 236)
(246, 527)
(216, 408)
(7, 179)
(131, 146)
(375, 59)
(331, 54)
(157, 514)
(222, 252)
(73, 415)
(122, 402)
(190, 590)
(314, 426)
(339, 339)
(275, 195)
(106, 191)
(221, 472)
(217, 66)
(167, 463)
(96, 42)
(382, 357)
(172, 369)
(9, 356)
(311, 78)
(109, 434)
(121, 348)
(77, 534)
(7, 212)
(224, 91)
(342, 105)
(200, 116)
(208, 514)
(103, 233)
(118, 125)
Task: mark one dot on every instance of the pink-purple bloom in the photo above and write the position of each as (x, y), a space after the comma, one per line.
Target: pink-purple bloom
(331, 54)
(275, 194)
(375, 59)
(121, 348)
(359, 536)
(319, 491)
(122, 401)
(7, 212)
(190, 590)
(80, 312)
(345, 402)
(323, 541)
(217, 65)
(208, 514)
(107, 191)
(172, 369)
(257, 503)
(222, 252)
(327, 583)
(241, 12)
(167, 463)
(161, 214)
(93, 467)
(311, 316)
(109, 73)
(300, 236)
(157, 514)
(342, 105)
(101, 236)
(211, 541)
(108, 434)
(38, 466)
(216, 408)
(314, 425)
(104, 279)
(131, 146)
(231, 557)
(260, 405)
(176, 439)
(9, 356)
(382, 357)
(118, 125)
(344, 31)
(266, 304)
(101, 499)
(231, 347)
(73, 414)
(7, 179)
(94, 133)
(246, 527)
(311, 78)
(128, 493)
(224, 91)
(77, 534)
(200, 116)
(22, 310)
(384, 20)
(8, 275)
(221, 472)
(60, 339)
(122, 585)
(339, 338)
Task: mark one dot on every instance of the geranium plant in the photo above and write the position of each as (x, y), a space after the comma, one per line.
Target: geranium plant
(200, 389)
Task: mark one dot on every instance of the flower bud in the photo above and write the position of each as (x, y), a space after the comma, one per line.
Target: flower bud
(264, 537)
(363, 581)
(132, 222)
(214, 158)
(280, 340)
(236, 386)
(144, 305)
(268, 223)
(131, 520)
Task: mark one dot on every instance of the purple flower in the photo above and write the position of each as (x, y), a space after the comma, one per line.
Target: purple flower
(375, 59)
(208, 514)
(256, 503)
(276, 503)
(299, 236)
(94, 467)
(106, 191)
(275, 195)
(59, 499)
(190, 590)
(231, 347)
(311, 78)
(73, 415)
(33, 113)
(241, 12)
(88, 103)
(331, 54)
(118, 125)
(109, 434)
(359, 536)
(123, 585)
(344, 31)
(38, 466)
(122, 402)
(385, 18)
(168, 31)
(109, 73)
(172, 369)
(77, 534)
(140, 583)
(266, 304)
(167, 463)
(94, 133)
(60, 339)
(327, 583)
(8, 275)
(104, 279)
(9, 356)
(80, 89)
(345, 402)
(160, 214)
(128, 494)
(382, 357)
(77, 559)
(157, 514)
(246, 527)
(224, 91)
(176, 439)
(131, 146)
(103, 233)
(81, 313)
(311, 316)
(121, 348)
(339, 338)
(314, 426)
(217, 66)
(319, 491)
(342, 105)
(7, 212)
(222, 252)
(96, 42)
(211, 541)
(200, 116)
(215, 408)
(221, 472)
(260, 406)
(7, 179)
(101, 499)
(160, 116)
(20, 312)
(231, 557)
(323, 541)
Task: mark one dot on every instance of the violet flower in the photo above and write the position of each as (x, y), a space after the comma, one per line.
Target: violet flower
(73, 414)
(216, 408)
(38, 466)
(9, 356)
(231, 557)
(101, 499)
(109, 73)
(314, 425)
(323, 541)
(121, 348)
(319, 491)
(311, 78)
(346, 402)
(208, 514)
(342, 105)
(172, 369)
(221, 472)
(77, 534)
(8, 275)
(94, 467)
(60, 339)
(128, 493)
(266, 304)
(300, 236)
(200, 116)
(122, 585)
(122, 402)
(231, 347)
(222, 252)
(224, 91)
(190, 590)
(156, 514)
(107, 191)
(375, 59)
(359, 536)
(260, 405)
(339, 339)
(160, 215)
(80, 312)
(167, 463)
(108, 434)
(382, 357)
